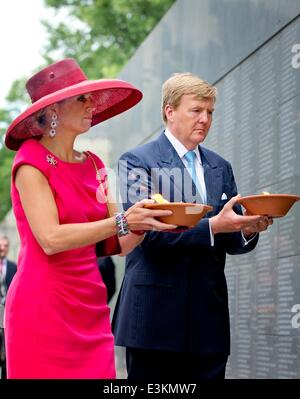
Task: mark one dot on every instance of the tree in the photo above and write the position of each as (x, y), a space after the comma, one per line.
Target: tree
(6, 158)
(16, 100)
(103, 34)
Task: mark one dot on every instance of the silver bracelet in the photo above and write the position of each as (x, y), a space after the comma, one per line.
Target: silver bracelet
(122, 224)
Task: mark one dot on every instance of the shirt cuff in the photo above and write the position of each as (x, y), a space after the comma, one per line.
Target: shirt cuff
(212, 237)
(246, 241)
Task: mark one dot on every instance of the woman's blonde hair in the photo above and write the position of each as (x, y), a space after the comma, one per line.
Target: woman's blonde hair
(180, 84)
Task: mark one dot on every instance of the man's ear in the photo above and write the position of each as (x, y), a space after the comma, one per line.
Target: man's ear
(169, 112)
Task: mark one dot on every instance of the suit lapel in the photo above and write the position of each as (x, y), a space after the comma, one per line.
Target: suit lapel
(7, 276)
(212, 176)
(168, 159)
(173, 168)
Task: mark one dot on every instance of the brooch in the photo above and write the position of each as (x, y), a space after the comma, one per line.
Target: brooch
(50, 159)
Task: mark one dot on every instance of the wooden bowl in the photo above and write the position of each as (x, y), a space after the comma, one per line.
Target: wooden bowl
(273, 205)
(184, 214)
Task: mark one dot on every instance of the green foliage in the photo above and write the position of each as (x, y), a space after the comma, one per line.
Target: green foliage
(4, 119)
(15, 100)
(6, 159)
(103, 34)
(17, 93)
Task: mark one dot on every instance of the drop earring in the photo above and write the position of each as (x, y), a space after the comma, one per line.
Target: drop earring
(52, 132)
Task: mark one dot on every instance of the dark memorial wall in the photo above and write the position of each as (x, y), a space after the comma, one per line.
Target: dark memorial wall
(251, 52)
(258, 129)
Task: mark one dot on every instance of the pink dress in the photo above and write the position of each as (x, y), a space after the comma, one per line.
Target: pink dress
(56, 317)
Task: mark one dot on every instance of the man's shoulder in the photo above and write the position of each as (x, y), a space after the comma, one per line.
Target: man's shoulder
(212, 155)
(142, 150)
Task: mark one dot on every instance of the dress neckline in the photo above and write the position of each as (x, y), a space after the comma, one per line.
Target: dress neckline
(60, 160)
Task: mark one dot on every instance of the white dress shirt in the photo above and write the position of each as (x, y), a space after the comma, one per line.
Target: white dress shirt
(181, 151)
(2, 280)
(3, 269)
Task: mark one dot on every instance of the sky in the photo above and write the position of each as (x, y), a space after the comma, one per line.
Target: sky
(21, 39)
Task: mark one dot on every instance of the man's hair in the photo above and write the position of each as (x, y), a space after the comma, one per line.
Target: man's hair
(180, 84)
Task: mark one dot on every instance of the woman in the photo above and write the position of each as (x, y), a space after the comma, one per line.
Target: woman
(57, 320)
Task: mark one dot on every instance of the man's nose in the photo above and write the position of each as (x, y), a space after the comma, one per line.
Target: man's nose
(203, 117)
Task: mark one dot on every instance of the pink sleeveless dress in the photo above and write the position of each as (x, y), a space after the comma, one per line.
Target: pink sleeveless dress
(56, 317)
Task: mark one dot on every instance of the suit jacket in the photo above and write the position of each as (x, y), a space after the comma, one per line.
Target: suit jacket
(10, 272)
(11, 269)
(174, 294)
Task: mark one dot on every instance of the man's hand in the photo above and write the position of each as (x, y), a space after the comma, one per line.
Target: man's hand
(261, 225)
(227, 221)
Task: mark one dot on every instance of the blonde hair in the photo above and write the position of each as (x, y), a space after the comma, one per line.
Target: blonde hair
(180, 84)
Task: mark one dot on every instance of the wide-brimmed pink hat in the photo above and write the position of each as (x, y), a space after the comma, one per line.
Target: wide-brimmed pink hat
(60, 81)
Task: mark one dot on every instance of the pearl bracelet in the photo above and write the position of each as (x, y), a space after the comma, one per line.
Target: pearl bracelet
(122, 224)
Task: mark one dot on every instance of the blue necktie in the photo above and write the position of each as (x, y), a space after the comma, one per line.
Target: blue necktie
(190, 157)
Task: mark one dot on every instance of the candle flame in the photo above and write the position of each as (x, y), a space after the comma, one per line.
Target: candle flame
(159, 199)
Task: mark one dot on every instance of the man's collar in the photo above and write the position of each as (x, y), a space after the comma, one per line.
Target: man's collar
(179, 147)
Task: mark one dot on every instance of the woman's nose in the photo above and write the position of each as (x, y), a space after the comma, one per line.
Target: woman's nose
(89, 104)
(91, 109)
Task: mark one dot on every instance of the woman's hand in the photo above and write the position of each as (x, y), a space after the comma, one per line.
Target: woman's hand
(140, 218)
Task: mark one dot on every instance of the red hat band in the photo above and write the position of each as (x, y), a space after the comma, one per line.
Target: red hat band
(53, 78)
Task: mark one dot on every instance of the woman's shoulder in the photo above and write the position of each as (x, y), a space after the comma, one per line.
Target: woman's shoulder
(31, 153)
(29, 148)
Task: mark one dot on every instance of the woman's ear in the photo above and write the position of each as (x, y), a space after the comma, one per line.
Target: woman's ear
(52, 109)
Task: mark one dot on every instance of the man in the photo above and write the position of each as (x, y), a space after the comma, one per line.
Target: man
(172, 311)
(7, 271)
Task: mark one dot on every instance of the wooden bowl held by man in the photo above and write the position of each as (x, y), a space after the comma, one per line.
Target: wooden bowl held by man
(184, 214)
(273, 205)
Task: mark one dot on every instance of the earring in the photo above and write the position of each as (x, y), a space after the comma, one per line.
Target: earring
(52, 132)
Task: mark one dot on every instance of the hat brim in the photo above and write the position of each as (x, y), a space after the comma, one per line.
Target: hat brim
(110, 97)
